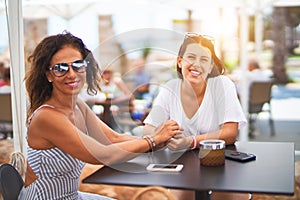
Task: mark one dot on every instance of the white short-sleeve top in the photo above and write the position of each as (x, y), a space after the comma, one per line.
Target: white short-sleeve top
(220, 105)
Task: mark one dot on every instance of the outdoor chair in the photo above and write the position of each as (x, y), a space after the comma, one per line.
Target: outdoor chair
(153, 193)
(11, 182)
(5, 115)
(260, 94)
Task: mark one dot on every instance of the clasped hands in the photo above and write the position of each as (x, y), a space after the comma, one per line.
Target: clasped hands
(179, 141)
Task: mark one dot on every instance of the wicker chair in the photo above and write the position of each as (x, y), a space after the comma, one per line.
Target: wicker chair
(260, 94)
(153, 193)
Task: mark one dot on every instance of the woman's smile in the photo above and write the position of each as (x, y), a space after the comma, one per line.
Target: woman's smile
(73, 84)
(195, 73)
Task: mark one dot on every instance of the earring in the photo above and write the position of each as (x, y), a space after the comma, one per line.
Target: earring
(50, 81)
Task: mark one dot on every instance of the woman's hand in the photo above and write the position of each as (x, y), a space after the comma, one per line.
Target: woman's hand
(165, 132)
(179, 142)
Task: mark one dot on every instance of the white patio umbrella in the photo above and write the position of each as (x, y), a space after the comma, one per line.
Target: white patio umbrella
(67, 9)
(15, 30)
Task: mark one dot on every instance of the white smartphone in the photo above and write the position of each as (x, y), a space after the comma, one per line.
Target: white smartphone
(165, 167)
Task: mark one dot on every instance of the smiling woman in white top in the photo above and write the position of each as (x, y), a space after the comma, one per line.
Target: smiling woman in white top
(202, 101)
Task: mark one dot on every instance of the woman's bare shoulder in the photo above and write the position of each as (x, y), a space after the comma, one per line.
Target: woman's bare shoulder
(44, 123)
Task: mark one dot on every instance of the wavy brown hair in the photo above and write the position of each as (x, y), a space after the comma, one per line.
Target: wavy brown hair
(219, 66)
(38, 88)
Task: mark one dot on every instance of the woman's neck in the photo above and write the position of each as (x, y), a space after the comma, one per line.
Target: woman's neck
(193, 90)
(63, 101)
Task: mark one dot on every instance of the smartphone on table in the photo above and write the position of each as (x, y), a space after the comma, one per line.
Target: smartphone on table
(164, 167)
(239, 156)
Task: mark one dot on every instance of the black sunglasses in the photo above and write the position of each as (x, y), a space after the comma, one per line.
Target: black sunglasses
(61, 69)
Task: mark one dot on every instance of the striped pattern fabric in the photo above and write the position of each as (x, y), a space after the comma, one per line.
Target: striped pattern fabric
(58, 176)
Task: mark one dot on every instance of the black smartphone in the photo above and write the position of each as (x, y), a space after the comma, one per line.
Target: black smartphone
(239, 156)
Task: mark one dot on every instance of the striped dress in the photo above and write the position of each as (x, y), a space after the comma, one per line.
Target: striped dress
(58, 176)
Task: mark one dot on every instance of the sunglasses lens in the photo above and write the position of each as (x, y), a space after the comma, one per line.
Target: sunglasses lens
(79, 66)
(60, 69)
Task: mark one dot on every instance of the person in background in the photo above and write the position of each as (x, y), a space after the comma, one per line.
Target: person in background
(202, 100)
(6, 88)
(254, 73)
(2, 67)
(112, 88)
(112, 83)
(141, 79)
(62, 132)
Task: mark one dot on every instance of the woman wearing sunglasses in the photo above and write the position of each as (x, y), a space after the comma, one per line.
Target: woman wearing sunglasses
(63, 133)
(202, 101)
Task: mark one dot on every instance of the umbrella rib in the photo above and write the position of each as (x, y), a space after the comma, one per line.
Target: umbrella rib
(66, 15)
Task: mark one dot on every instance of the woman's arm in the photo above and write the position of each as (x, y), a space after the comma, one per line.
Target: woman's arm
(50, 128)
(228, 132)
(98, 129)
